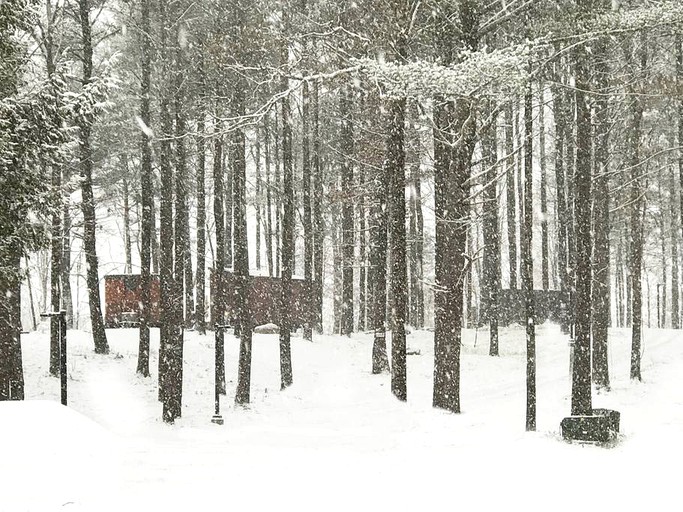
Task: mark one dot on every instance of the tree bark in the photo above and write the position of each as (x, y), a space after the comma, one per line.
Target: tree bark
(307, 220)
(318, 221)
(491, 267)
(378, 259)
(528, 265)
(241, 261)
(511, 197)
(637, 213)
(673, 233)
(601, 225)
(416, 244)
(679, 75)
(88, 200)
(347, 191)
(218, 298)
(11, 366)
(67, 299)
(454, 138)
(562, 208)
(229, 204)
(173, 406)
(269, 202)
(287, 264)
(200, 291)
(581, 375)
(55, 274)
(362, 255)
(170, 327)
(257, 199)
(545, 259)
(395, 164)
(397, 225)
(146, 192)
(126, 218)
(277, 207)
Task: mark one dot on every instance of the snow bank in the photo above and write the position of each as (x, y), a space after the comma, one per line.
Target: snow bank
(53, 456)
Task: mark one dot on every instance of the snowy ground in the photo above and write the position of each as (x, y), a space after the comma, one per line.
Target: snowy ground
(337, 440)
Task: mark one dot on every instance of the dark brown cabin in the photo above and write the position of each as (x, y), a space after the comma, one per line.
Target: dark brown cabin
(122, 296)
(265, 294)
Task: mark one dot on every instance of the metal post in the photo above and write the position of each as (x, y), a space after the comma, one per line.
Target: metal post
(62, 354)
(217, 418)
(61, 320)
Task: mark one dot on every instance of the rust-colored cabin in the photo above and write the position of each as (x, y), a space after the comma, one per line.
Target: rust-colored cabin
(265, 294)
(122, 296)
(123, 292)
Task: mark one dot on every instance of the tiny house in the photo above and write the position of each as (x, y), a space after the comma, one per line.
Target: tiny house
(122, 298)
(123, 294)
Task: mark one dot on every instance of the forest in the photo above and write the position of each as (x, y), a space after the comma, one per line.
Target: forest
(379, 167)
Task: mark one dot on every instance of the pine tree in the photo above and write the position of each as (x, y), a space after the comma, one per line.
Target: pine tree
(146, 193)
(88, 199)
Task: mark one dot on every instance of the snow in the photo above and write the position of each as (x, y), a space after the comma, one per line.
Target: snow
(337, 439)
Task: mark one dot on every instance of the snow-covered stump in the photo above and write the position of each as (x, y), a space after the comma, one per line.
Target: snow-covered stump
(602, 426)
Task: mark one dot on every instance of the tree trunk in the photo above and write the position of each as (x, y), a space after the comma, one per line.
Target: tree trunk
(287, 219)
(269, 202)
(620, 283)
(146, 193)
(155, 237)
(347, 191)
(362, 256)
(170, 328)
(88, 200)
(581, 375)
(395, 168)
(278, 197)
(397, 225)
(601, 226)
(57, 234)
(511, 197)
(470, 317)
(67, 299)
(454, 138)
(218, 298)
(337, 273)
(452, 170)
(55, 274)
(679, 75)
(126, 220)
(200, 292)
(661, 312)
(187, 262)
(229, 204)
(307, 220)
(11, 367)
(562, 208)
(241, 263)
(173, 406)
(412, 256)
(491, 267)
(675, 284)
(257, 199)
(637, 214)
(527, 263)
(318, 221)
(419, 254)
(378, 259)
(545, 260)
